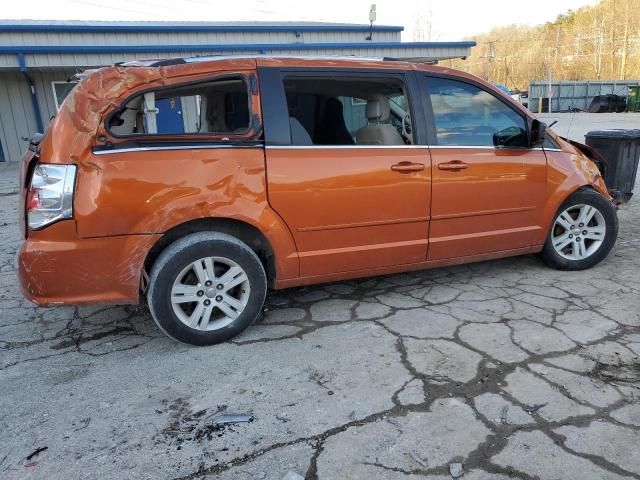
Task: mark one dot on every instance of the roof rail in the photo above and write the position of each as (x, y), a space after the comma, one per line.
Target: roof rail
(168, 62)
(427, 60)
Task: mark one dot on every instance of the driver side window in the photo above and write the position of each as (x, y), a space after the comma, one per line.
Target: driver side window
(466, 115)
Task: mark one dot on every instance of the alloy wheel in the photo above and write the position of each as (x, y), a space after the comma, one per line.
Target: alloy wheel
(210, 293)
(578, 232)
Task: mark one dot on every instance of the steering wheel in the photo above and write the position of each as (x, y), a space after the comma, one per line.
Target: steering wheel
(406, 128)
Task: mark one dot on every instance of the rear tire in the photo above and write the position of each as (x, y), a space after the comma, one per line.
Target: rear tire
(583, 232)
(206, 288)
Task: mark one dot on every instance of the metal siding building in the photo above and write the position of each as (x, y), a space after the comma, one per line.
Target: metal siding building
(38, 58)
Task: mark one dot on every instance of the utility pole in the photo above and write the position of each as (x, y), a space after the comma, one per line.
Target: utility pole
(557, 48)
(491, 55)
(549, 87)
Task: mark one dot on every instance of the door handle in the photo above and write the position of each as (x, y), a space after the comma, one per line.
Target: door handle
(407, 167)
(453, 165)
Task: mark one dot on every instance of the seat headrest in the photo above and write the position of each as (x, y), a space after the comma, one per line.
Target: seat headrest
(377, 107)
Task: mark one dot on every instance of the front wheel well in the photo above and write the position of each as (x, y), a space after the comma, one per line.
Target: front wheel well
(249, 234)
(582, 188)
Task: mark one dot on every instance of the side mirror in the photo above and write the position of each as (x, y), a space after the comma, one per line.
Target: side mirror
(537, 132)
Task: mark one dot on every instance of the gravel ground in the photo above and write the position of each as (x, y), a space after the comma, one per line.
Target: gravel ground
(507, 367)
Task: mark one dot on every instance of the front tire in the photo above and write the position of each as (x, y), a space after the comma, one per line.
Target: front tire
(206, 288)
(583, 232)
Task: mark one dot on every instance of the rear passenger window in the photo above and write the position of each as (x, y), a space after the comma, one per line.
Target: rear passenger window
(466, 115)
(219, 107)
(347, 111)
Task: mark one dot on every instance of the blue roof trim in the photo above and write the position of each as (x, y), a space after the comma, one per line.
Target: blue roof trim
(196, 28)
(263, 47)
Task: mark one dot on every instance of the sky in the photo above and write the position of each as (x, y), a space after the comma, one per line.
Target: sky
(449, 19)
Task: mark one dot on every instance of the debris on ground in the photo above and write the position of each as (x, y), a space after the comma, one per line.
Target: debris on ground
(84, 423)
(626, 372)
(292, 476)
(36, 452)
(503, 415)
(534, 408)
(422, 461)
(456, 470)
(393, 422)
(205, 424)
(239, 418)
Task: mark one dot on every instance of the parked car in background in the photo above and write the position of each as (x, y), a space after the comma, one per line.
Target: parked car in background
(521, 97)
(281, 172)
(608, 104)
(502, 88)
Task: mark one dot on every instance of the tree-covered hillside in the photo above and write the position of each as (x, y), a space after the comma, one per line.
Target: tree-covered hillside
(600, 42)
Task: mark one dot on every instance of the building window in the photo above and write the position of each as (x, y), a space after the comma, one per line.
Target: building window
(61, 90)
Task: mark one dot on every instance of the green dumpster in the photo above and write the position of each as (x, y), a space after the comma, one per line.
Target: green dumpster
(633, 100)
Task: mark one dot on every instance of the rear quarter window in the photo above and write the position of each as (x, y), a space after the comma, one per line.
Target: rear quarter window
(219, 107)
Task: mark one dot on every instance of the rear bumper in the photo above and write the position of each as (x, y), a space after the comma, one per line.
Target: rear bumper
(56, 267)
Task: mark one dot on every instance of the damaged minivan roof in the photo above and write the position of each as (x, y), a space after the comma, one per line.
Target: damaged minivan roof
(163, 62)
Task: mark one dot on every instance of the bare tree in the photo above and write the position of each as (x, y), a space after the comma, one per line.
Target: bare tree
(423, 22)
(594, 42)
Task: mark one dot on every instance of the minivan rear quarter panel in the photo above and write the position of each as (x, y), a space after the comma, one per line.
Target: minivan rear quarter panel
(150, 192)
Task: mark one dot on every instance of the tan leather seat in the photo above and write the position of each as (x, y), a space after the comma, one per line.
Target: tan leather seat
(377, 133)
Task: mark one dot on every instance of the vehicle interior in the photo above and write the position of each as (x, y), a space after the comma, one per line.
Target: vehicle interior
(221, 106)
(347, 111)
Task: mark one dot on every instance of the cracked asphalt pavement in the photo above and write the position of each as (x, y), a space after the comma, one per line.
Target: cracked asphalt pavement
(507, 367)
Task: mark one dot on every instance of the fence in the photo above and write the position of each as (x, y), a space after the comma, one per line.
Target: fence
(568, 96)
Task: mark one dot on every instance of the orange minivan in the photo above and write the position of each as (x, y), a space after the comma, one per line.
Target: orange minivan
(202, 182)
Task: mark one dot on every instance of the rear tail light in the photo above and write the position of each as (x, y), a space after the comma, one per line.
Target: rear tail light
(50, 196)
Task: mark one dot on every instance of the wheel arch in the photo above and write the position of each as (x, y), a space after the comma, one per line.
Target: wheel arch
(576, 189)
(554, 204)
(556, 200)
(242, 230)
(567, 173)
(588, 194)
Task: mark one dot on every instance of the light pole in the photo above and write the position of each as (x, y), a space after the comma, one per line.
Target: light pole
(372, 18)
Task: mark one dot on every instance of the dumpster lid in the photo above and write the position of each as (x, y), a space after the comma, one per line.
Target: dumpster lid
(615, 133)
